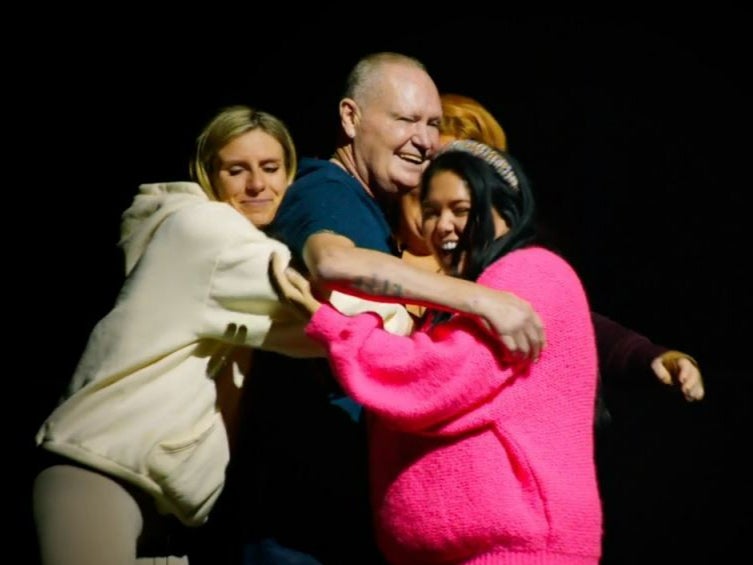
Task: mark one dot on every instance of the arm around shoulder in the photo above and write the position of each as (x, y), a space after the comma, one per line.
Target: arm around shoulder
(336, 262)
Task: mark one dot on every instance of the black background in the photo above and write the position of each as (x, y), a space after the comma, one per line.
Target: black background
(636, 137)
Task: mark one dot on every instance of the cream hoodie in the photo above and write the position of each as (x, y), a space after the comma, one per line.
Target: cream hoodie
(142, 404)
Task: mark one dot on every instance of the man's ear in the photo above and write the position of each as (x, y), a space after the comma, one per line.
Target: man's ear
(349, 116)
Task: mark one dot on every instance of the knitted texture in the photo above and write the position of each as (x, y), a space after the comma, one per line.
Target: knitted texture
(474, 457)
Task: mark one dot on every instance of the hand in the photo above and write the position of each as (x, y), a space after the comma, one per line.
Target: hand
(676, 367)
(293, 286)
(515, 322)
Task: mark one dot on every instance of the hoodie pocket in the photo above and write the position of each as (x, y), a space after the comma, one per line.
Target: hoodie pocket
(191, 469)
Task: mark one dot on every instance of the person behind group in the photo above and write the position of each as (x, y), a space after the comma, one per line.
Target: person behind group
(622, 352)
(475, 455)
(138, 448)
(309, 463)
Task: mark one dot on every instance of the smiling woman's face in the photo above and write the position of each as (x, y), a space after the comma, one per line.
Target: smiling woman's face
(251, 176)
(444, 213)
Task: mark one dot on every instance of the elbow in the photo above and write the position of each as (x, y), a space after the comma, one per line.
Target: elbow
(329, 265)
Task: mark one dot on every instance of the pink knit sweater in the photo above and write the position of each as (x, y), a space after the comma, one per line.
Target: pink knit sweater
(474, 459)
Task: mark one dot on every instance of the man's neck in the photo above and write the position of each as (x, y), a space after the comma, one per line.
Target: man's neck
(344, 159)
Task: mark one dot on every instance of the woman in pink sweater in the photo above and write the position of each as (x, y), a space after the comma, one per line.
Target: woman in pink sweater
(476, 456)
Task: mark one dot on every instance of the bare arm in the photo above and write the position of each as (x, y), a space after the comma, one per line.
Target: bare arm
(335, 261)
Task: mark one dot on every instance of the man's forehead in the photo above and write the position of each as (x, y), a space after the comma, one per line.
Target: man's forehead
(409, 90)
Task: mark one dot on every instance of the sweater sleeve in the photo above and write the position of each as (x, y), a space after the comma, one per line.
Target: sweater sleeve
(430, 380)
(414, 382)
(622, 351)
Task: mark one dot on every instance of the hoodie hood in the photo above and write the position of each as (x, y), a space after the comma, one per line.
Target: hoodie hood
(153, 203)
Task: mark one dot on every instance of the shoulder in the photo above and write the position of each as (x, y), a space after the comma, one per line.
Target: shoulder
(320, 177)
(211, 222)
(316, 168)
(322, 191)
(536, 263)
(542, 258)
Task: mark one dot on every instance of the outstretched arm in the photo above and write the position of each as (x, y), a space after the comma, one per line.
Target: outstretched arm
(624, 352)
(336, 262)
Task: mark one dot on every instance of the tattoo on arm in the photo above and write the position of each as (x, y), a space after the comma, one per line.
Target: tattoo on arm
(377, 286)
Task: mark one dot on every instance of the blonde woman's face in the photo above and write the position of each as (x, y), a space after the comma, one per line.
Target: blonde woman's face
(251, 176)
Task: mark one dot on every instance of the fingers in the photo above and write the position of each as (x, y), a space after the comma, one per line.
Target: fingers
(675, 367)
(509, 342)
(661, 372)
(690, 380)
(536, 345)
(536, 336)
(525, 343)
(694, 392)
(522, 333)
(289, 284)
(530, 339)
(300, 282)
(277, 264)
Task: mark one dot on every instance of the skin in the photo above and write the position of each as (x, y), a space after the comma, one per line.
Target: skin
(395, 130)
(411, 235)
(445, 214)
(675, 368)
(411, 231)
(251, 176)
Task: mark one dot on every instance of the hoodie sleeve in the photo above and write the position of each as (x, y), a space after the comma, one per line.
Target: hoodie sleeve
(220, 264)
(242, 291)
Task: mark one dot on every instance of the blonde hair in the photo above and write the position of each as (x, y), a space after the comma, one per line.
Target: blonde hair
(228, 124)
(465, 118)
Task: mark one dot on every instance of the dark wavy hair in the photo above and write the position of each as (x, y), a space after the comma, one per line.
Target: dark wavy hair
(488, 190)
